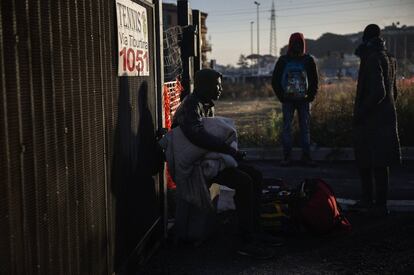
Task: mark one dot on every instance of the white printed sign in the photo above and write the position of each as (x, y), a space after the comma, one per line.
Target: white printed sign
(133, 55)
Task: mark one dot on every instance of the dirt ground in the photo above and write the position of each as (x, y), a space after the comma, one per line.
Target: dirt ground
(375, 245)
(252, 117)
(244, 112)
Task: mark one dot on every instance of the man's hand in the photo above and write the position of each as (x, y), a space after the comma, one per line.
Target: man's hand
(236, 154)
(240, 155)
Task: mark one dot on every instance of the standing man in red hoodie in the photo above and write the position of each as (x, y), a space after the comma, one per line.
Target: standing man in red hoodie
(295, 82)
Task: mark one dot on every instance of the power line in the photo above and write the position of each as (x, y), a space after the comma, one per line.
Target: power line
(336, 11)
(345, 10)
(288, 7)
(324, 23)
(325, 5)
(314, 5)
(348, 21)
(236, 13)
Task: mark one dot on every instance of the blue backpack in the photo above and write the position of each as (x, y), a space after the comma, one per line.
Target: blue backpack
(295, 79)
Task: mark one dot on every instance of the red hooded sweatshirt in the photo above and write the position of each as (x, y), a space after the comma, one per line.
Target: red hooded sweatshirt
(296, 41)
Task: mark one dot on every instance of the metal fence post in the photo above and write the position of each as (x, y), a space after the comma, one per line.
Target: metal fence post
(184, 21)
(197, 56)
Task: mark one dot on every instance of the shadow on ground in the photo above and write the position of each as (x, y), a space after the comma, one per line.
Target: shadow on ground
(375, 246)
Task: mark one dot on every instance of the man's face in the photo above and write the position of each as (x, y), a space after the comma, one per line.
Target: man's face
(218, 90)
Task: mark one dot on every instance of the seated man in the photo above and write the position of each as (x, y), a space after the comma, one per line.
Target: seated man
(244, 179)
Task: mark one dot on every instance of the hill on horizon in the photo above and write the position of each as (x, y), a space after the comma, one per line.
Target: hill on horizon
(400, 36)
(325, 44)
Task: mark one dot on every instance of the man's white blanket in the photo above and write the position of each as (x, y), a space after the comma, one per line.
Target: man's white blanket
(192, 167)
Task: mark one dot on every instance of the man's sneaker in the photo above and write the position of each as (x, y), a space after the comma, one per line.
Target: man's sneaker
(256, 251)
(361, 206)
(268, 240)
(308, 161)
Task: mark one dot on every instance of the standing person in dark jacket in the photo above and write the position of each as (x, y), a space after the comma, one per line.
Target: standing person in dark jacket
(376, 141)
(295, 82)
(245, 179)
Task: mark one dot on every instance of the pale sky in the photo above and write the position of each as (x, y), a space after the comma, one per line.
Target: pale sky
(228, 21)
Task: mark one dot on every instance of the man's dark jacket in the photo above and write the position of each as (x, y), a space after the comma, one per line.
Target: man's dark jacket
(376, 140)
(311, 72)
(189, 115)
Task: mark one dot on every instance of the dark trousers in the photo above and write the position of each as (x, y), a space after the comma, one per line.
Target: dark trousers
(247, 182)
(375, 177)
(288, 109)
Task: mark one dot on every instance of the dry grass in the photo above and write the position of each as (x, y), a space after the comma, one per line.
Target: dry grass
(405, 113)
(253, 119)
(331, 123)
(259, 120)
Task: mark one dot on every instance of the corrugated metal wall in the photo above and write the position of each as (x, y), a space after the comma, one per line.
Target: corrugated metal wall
(76, 141)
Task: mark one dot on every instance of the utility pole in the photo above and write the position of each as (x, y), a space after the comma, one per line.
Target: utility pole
(273, 46)
(251, 37)
(258, 35)
(395, 47)
(405, 54)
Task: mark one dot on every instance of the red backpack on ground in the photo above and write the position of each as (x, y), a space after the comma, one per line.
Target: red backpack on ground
(317, 210)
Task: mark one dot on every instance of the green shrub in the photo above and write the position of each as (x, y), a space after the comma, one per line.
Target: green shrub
(261, 132)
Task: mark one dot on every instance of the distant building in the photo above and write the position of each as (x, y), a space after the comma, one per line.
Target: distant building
(400, 43)
(338, 65)
(205, 44)
(170, 19)
(169, 15)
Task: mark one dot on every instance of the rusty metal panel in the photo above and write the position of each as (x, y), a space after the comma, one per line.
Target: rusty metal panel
(78, 53)
(133, 188)
(6, 252)
(27, 138)
(67, 44)
(12, 120)
(40, 209)
(77, 195)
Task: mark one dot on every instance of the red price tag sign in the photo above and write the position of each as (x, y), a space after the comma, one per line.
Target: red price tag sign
(134, 61)
(133, 57)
